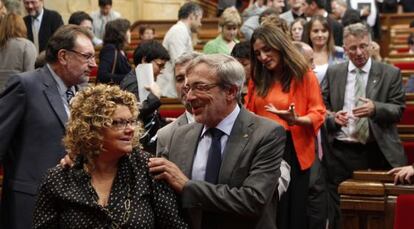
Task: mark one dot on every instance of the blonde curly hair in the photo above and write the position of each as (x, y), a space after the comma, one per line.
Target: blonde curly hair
(91, 111)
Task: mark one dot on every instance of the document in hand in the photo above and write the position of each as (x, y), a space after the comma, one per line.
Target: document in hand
(145, 77)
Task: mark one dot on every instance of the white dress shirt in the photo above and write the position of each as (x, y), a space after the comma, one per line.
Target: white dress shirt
(200, 159)
(36, 23)
(348, 133)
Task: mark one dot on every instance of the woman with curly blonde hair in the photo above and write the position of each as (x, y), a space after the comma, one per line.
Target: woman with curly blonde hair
(109, 185)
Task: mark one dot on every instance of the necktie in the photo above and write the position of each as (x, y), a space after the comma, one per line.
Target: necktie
(69, 94)
(214, 156)
(361, 125)
(35, 32)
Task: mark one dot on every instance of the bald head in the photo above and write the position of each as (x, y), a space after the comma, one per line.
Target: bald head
(306, 50)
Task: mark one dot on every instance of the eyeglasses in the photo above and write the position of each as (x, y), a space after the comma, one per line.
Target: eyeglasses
(361, 47)
(199, 87)
(122, 124)
(89, 57)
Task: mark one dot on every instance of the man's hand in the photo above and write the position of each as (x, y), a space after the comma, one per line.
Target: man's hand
(163, 169)
(341, 118)
(365, 110)
(67, 162)
(402, 175)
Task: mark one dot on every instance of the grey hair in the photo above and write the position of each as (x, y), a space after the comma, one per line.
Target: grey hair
(357, 30)
(228, 70)
(186, 57)
(341, 2)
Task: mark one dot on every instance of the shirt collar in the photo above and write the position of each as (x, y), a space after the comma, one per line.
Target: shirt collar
(40, 16)
(60, 84)
(189, 116)
(365, 68)
(227, 123)
(183, 24)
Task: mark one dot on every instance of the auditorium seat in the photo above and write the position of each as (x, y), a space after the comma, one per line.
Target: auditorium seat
(404, 211)
(404, 65)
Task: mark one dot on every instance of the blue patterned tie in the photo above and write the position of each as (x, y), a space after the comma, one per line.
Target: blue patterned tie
(214, 156)
(69, 94)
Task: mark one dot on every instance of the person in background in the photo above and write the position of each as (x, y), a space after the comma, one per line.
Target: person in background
(287, 91)
(318, 34)
(241, 52)
(34, 108)
(318, 7)
(164, 134)
(148, 52)
(296, 29)
(296, 11)
(41, 23)
(229, 24)
(146, 33)
(254, 8)
(178, 41)
(104, 15)
(253, 22)
(3, 10)
(109, 183)
(342, 13)
(83, 19)
(17, 54)
(409, 85)
(113, 62)
(375, 51)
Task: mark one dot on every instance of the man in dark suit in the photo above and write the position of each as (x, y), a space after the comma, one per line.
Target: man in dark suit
(317, 7)
(41, 23)
(33, 111)
(366, 100)
(237, 187)
(344, 14)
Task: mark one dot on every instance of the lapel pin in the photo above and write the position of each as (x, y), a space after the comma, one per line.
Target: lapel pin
(246, 135)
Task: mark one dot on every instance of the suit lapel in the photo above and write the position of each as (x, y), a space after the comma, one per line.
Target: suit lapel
(53, 96)
(190, 140)
(239, 136)
(340, 85)
(374, 80)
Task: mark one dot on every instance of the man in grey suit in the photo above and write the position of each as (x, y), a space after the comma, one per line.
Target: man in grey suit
(366, 100)
(241, 191)
(33, 112)
(165, 133)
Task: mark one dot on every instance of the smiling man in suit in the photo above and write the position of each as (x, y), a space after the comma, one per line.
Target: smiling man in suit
(34, 108)
(225, 166)
(366, 101)
(41, 23)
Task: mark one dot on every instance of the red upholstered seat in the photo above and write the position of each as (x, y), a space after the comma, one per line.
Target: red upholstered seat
(404, 211)
(409, 151)
(404, 65)
(171, 113)
(408, 115)
(402, 50)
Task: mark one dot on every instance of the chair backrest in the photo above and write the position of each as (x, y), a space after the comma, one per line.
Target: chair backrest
(404, 212)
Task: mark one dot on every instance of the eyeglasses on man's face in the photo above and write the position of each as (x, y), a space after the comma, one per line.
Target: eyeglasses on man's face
(122, 124)
(199, 87)
(90, 58)
(362, 47)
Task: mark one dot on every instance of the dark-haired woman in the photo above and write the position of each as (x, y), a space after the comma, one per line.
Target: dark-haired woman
(287, 91)
(149, 52)
(113, 62)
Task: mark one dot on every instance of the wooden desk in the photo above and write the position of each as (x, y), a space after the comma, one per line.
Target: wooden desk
(368, 200)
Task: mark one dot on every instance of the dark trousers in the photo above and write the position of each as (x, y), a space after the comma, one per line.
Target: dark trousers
(317, 208)
(341, 161)
(291, 213)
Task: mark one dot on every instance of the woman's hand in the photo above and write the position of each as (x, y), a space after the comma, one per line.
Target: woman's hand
(288, 115)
